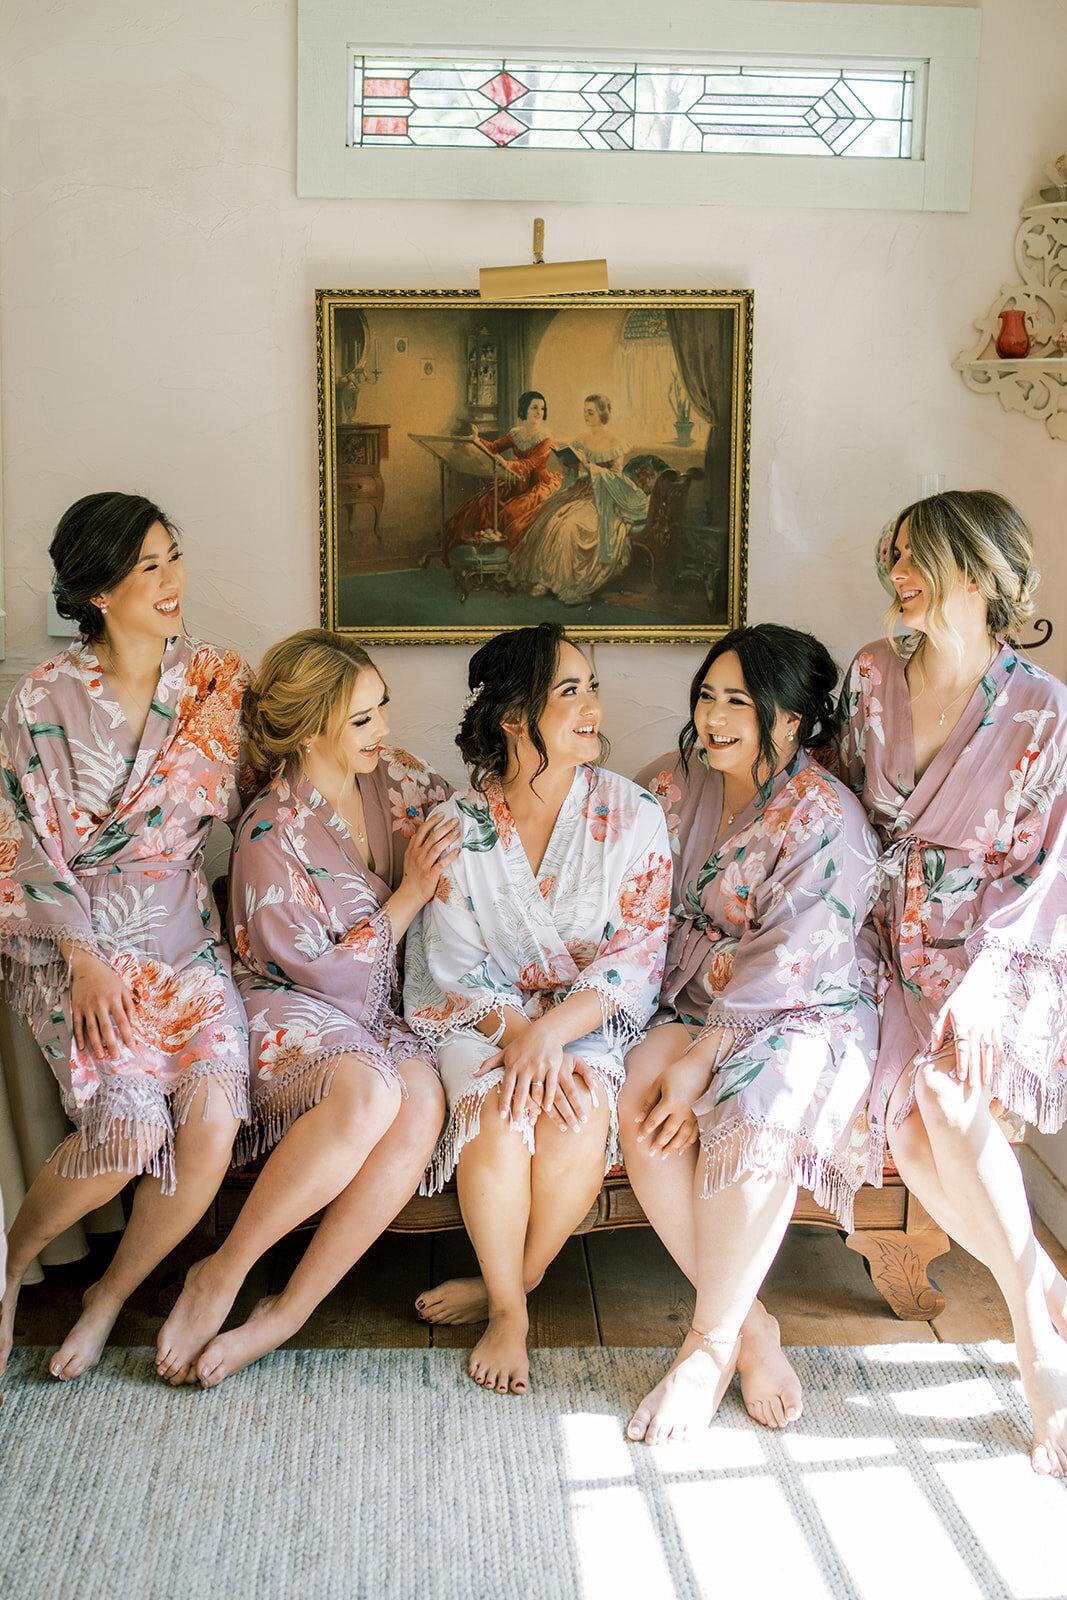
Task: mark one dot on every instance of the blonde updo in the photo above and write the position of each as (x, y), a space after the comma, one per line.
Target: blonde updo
(981, 535)
(303, 688)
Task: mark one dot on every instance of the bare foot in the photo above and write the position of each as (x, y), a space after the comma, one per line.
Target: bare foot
(201, 1309)
(7, 1320)
(264, 1331)
(685, 1402)
(1045, 1386)
(499, 1360)
(458, 1300)
(769, 1385)
(84, 1344)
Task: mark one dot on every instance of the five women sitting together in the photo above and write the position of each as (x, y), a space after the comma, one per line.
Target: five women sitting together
(807, 933)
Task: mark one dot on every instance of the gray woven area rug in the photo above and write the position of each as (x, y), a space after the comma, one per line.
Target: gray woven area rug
(387, 1475)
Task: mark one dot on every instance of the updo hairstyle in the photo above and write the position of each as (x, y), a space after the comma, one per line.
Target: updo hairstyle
(96, 544)
(510, 679)
(783, 670)
(303, 688)
(523, 407)
(602, 403)
(981, 535)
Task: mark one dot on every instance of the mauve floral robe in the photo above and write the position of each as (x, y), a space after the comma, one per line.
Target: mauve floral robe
(765, 940)
(316, 954)
(974, 871)
(101, 845)
(497, 937)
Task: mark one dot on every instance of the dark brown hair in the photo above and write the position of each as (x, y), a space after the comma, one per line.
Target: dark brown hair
(96, 544)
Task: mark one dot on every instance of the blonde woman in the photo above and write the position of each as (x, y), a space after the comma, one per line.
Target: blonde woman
(957, 747)
(330, 865)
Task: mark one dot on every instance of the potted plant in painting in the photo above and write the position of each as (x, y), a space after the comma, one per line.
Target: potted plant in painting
(682, 408)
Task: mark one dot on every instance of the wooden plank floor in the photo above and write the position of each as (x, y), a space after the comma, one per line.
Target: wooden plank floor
(612, 1288)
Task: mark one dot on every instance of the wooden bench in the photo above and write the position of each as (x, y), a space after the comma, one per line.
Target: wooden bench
(892, 1232)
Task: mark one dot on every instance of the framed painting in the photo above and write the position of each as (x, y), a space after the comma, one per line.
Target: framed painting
(491, 465)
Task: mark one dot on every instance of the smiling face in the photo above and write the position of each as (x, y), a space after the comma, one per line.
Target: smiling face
(359, 743)
(728, 727)
(915, 593)
(570, 723)
(535, 412)
(147, 602)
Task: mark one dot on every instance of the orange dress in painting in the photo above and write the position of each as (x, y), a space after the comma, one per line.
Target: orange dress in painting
(520, 493)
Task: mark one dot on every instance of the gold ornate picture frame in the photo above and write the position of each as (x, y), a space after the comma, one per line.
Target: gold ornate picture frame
(450, 507)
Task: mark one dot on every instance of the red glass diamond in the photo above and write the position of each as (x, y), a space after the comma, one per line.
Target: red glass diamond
(503, 89)
(501, 128)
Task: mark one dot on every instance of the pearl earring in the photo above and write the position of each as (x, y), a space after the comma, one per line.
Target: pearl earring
(102, 608)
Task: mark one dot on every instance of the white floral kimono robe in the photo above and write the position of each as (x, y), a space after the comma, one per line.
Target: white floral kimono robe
(497, 937)
(317, 959)
(765, 940)
(974, 871)
(101, 846)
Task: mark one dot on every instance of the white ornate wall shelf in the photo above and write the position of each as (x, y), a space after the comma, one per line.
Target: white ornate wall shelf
(1036, 386)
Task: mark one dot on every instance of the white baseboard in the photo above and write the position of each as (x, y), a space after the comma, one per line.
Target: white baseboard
(1048, 1196)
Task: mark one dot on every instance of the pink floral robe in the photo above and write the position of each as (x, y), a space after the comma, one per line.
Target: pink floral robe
(101, 846)
(316, 954)
(765, 940)
(497, 937)
(974, 871)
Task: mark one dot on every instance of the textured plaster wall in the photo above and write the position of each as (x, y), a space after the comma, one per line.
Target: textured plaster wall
(156, 317)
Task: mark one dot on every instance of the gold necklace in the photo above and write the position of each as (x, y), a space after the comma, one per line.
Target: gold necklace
(945, 709)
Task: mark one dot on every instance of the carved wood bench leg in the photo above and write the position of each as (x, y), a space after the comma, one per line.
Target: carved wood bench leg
(899, 1259)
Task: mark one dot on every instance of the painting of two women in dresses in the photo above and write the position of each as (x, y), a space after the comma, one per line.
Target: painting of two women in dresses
(492, 466)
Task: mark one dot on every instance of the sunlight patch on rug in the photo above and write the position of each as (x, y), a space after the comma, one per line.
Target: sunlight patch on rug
(388, 1475)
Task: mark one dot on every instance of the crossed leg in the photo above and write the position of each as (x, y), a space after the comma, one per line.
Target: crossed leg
(954, 1157)
(665, 1187)
(158, 1222)
(203, 1145)
(519, 1210)
(351, 1222)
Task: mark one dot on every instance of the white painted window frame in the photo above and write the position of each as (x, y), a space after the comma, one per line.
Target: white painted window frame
(946, 37)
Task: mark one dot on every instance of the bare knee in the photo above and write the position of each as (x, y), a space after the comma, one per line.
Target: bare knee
(363, 1101)
(944, 1103)
(423, 1110)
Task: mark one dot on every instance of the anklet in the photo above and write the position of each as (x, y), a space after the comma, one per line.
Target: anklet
(706, 1338)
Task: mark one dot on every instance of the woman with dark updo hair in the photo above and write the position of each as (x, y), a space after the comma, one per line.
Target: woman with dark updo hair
(116, 756)
(507, 507)
(538, 960)
(753, 1078)
(957, 746)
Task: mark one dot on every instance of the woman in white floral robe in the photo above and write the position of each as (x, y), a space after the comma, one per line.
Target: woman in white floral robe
(957, 747)
(330, 864)
(117, 755)
(539, 958)
(767, 1032)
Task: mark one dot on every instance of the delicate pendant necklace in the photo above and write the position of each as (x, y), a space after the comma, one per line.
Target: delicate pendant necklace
(945, 709)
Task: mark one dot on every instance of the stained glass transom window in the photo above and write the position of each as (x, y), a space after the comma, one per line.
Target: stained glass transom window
(552, 105)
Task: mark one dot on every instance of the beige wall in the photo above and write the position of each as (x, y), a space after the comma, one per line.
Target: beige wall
(157, 326)
(156, 317)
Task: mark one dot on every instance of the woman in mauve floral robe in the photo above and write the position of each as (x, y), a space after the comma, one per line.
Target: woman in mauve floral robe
(766, 1037)
(330, 863)
(117, 755)
(957, 747)
(537, 961)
